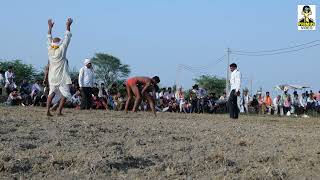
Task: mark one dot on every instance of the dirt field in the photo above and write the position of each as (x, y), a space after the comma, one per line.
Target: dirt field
(113, 145)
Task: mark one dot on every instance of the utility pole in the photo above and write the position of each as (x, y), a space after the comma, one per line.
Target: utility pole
(251, 87)
(228, 72)
(178, 71)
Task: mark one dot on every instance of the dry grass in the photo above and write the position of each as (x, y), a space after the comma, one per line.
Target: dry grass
(114, 145)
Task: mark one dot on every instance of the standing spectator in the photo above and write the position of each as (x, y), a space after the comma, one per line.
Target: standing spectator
(193, 100)
(212, 107)
(2, 81)
(262, 107)
(286, 99)
(277, 105)
(86, 78)
(296, 104)
(235, 83)
(180, 98)
(201, 95)
(58, 74)
(255, 104)
(246, 99)
(9, 76)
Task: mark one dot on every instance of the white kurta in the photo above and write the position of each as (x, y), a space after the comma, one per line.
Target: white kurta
(59, 68)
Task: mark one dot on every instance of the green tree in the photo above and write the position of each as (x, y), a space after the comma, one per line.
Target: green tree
(21, 70)
(109, 69)
(74, 74)
(213, 84)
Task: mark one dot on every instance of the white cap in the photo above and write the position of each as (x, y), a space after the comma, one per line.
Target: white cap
(87, 61)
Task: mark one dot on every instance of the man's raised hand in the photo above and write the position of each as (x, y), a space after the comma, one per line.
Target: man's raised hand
(50, 23)
(69, 22)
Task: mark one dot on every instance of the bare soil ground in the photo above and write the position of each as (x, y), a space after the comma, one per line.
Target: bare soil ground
(115, 145)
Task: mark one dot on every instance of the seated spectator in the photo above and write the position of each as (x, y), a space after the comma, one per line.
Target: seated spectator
(173, 104)
(2, 81)
(95, 90)
(14, 98)
(187, 106)
(223, 97)
(297, 107)
(119, 102)
(74, 87)
(76, 100)
(25, 91)
(169, 94)
(36, 93)
(212, 106)
(103, 94)
(161, 93)
(268, 103)
(97, 103)
(311, 102)
(113, 92)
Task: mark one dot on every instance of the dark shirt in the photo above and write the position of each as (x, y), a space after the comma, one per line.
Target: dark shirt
(25, 88)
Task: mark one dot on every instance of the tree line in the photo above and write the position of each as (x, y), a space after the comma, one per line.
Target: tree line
(108, 69)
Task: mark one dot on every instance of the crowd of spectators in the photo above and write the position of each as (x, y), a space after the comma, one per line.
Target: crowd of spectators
(194, 100)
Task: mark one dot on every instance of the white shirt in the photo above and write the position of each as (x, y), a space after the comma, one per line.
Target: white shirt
(9, 77)
(76, 99)
(246, 99)
(86, 77)
(201, 93)
(58, 62)
(235, 80)
(276, 101)
(168, 95)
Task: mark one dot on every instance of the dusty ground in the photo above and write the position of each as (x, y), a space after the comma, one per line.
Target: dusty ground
(113, 145)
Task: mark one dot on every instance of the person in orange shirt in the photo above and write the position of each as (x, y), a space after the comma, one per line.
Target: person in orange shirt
(268, 102)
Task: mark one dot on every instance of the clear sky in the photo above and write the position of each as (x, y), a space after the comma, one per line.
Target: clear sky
(154, 37)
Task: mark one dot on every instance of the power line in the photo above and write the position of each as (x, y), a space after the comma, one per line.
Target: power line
(185, 67)
(218, 60)
(274, 50)
(268, 54)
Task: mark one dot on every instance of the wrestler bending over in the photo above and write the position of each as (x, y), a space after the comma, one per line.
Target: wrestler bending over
(147, 84)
